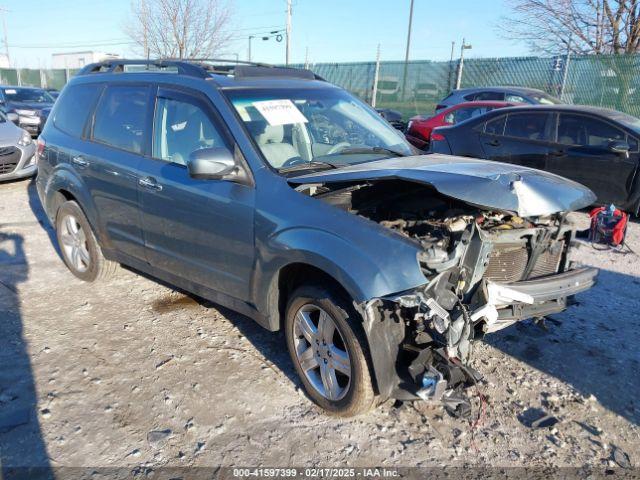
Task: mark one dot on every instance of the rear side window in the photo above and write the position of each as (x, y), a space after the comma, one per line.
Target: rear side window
(495, 126)
(121, 116)
(74, 107)
(587, 131)
(489, 96)
(532, 126)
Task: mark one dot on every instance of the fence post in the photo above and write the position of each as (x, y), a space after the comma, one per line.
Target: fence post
(376, 74)
(566, 69)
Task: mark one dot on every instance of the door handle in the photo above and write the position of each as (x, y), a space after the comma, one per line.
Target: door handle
(557, 153)
(80, 161)
(150, 183)
(494, 143)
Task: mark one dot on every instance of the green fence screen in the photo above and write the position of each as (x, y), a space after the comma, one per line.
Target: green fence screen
(415, 87)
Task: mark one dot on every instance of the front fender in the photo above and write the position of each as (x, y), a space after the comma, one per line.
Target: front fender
(363, 275)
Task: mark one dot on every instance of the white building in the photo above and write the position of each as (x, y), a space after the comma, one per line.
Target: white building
(79, 59)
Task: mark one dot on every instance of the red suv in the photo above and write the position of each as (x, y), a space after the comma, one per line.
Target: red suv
(419, 128)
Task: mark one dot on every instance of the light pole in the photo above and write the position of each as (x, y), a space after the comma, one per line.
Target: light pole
(463, 47)
(288, 31)
(249, 51)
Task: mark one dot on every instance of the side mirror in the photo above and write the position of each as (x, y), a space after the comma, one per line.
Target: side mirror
(212, 164)
(13, 117)
(619, 146)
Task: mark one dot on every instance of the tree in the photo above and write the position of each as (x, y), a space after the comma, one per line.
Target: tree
(586, 26)
(180, 28)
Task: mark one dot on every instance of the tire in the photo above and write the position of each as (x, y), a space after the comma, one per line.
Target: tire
(78, 245)
(323, 368)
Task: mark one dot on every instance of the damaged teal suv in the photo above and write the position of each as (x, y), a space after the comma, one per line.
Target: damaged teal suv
(276, 194)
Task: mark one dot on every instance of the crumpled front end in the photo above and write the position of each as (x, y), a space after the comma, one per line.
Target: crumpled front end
(485, 270)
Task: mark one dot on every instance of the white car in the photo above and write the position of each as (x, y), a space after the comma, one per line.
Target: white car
(17, 151)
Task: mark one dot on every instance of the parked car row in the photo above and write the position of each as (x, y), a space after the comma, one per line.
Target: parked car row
(23, 113)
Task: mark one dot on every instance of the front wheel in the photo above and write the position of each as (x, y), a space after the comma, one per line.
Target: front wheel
(329, 350)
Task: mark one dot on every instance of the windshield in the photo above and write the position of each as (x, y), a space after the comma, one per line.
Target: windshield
(545, 99)
(309, 128)
(29, 95)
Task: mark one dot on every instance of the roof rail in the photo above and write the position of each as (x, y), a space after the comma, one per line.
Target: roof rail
(118, 66)
(202, 68)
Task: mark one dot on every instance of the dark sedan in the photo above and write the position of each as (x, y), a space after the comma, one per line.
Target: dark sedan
(593, 146)
(32, 106)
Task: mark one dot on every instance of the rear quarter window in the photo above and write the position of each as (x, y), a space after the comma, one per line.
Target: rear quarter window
(121, 117)
(74, 108)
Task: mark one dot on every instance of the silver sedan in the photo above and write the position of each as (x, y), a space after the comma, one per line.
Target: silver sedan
(17, 151)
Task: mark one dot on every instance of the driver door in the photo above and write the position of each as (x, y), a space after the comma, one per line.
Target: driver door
(201, 230)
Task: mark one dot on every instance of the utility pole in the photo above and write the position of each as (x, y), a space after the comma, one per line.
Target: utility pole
(288, 32)
(406, 54)
(463, 47)
(3, 11)
(306, 57)
(376, 75)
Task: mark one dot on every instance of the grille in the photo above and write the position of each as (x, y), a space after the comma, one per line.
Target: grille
(7, 151)
(507, 263)
(9, 158)
(549, 261)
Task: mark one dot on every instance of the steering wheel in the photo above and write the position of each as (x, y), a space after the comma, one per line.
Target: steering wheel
(293, 161)
(337, 147)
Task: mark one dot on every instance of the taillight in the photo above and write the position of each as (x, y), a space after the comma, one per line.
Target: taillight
(437, 137)
(41, 145)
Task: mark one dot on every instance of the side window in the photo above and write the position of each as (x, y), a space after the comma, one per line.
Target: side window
(182, 127)
(495, 126)
(463, 114)
(587, 131)
(489, 96)
(532, 126)
(74, 107)
(121, 116)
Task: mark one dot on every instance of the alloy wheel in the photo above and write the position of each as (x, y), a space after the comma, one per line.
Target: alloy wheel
(321, 352)
(74, 243)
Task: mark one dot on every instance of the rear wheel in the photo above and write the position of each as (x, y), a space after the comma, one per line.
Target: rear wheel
(78, 245)
(329, 351)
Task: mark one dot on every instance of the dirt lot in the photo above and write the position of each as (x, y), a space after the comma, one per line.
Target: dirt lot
(133, 373)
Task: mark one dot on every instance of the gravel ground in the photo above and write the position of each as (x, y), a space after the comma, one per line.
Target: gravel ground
(132, 373)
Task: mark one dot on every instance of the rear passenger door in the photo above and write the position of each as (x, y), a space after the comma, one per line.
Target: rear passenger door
(522, 138)
(119, 139)
(583, 153)
(200, 230)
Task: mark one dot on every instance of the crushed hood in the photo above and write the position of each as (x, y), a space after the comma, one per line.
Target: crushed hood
(492, 185)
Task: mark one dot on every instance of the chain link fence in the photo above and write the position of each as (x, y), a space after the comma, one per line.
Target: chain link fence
(31, 77)
(610, 81)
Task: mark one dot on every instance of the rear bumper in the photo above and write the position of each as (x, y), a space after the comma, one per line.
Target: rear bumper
(532, 298)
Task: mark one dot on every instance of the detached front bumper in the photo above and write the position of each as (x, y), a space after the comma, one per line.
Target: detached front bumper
(511, 302)
(31, 124)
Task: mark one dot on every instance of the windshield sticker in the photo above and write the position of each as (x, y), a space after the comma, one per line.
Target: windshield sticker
(10, 91)
(280, 112)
